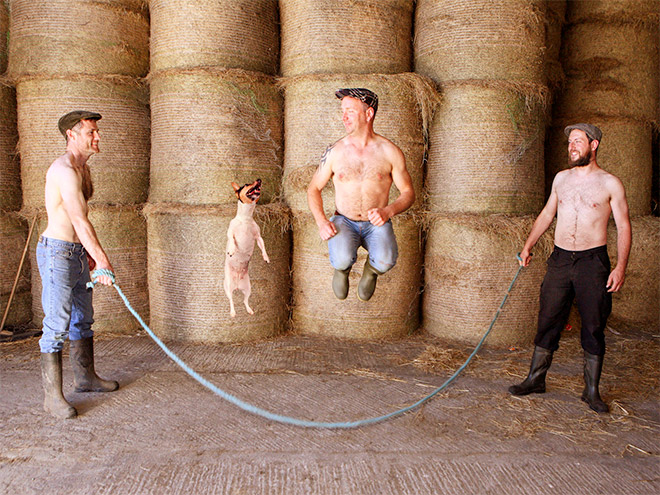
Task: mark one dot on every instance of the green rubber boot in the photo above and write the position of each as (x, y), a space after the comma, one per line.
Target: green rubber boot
(340, 283)
(51, 375)
(85, 378)
(367, 284)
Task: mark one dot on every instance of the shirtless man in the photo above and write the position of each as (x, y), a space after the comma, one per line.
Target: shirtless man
(362, 166)
(582, 197)
(65, 252)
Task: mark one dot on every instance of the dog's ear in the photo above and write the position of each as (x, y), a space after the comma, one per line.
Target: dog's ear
(235, 186)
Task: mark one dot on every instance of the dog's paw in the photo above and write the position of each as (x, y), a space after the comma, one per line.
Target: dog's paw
(249, 310)
(266, 259)
(232, 313)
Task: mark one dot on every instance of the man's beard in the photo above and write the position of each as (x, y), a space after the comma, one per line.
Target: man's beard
(582, 161)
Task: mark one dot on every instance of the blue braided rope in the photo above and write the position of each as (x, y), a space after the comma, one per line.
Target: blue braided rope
(286, 419)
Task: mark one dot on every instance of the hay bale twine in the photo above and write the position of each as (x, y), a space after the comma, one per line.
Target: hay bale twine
(486, 148)
(4, 30)
(612, 70)
(241, 34)
(123, 234)
(211, 127)
(57, 37)
(121, 171)
(10, 174)
(13, 234)
(469, 263)
(313, 121)
(626, 151)
(637, 304)
(489, 39)
(186, 273)
(336, 36)
(393, 311)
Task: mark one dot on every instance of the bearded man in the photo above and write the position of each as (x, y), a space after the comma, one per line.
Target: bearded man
(66, 252)
(582, 199)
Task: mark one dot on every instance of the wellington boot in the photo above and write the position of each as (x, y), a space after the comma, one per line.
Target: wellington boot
(51, 377)
(367, 284)
(535, 381)
(340, 283)
(593, 365)
(85, 378)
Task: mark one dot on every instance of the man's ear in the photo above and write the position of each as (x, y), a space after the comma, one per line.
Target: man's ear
(370, 114)
(594, 144)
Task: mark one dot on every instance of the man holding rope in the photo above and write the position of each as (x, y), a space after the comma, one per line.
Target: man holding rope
(582, 198)
(66, 252)
(362, 166)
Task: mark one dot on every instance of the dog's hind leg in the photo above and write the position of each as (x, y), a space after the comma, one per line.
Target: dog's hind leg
(229, 293)
(246, 288)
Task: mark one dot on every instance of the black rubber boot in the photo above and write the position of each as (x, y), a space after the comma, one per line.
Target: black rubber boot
(535, 381)
(367, 284)
(85, 378)
(51, 378)
(593, 365)
(340, 283)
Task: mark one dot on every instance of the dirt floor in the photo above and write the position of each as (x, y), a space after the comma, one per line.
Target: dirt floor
(161, 432)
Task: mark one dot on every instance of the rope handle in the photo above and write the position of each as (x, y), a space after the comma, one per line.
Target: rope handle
(97, 273)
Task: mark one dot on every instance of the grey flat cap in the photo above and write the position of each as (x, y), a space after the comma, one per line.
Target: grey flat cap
(70, 119)
(589, 129)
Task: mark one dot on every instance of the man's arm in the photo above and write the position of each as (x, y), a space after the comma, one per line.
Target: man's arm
(70, 186)
(619, 206)
(321, 177)
(541, 224)
(403, 182)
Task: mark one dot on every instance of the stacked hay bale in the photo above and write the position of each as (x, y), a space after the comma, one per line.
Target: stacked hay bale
(485, 178)
(13, 230)
(610, 57)
(77, 54)
(327, 46)
(216, 119)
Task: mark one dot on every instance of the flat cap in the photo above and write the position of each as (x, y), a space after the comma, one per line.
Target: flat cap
(589, 129)
(363, 94)
(70, 119)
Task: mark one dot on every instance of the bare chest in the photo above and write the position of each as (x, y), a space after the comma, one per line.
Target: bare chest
(358, 169)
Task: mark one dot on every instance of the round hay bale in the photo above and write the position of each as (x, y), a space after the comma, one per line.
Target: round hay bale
(4, 30)
(123, 234)
(626, 151)
(486, 150)
(13, 234)
(637, 304)
(339, 36)
(121, 171)
(393, 311)
(488, 39)
(469, 264)
(186, 272)
(212, 127)
(57, 37)
(614, 11)
(241, 34)
(612, 70)
(313, 121)
(10, 174)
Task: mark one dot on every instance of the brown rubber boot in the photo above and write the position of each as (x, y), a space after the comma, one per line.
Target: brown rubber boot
(535, 381)
(51, 378)
(85, 378)
(367, 284)
(593, 365)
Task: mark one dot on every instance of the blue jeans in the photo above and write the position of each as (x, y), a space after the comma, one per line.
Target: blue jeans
(380, 242)
(66, 301)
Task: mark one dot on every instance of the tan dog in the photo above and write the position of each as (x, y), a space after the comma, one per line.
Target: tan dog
(241, 234)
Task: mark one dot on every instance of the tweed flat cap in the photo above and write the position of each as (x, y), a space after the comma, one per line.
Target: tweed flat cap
(70, 119)
(363, 94)
(589, 129)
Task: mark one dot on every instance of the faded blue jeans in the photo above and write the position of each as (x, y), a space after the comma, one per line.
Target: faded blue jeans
(66, 301)
(380, 242)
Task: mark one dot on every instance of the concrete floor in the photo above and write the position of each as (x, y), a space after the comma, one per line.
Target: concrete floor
(161, 432)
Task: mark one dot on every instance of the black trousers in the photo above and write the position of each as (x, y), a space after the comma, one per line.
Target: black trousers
(579, 275)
